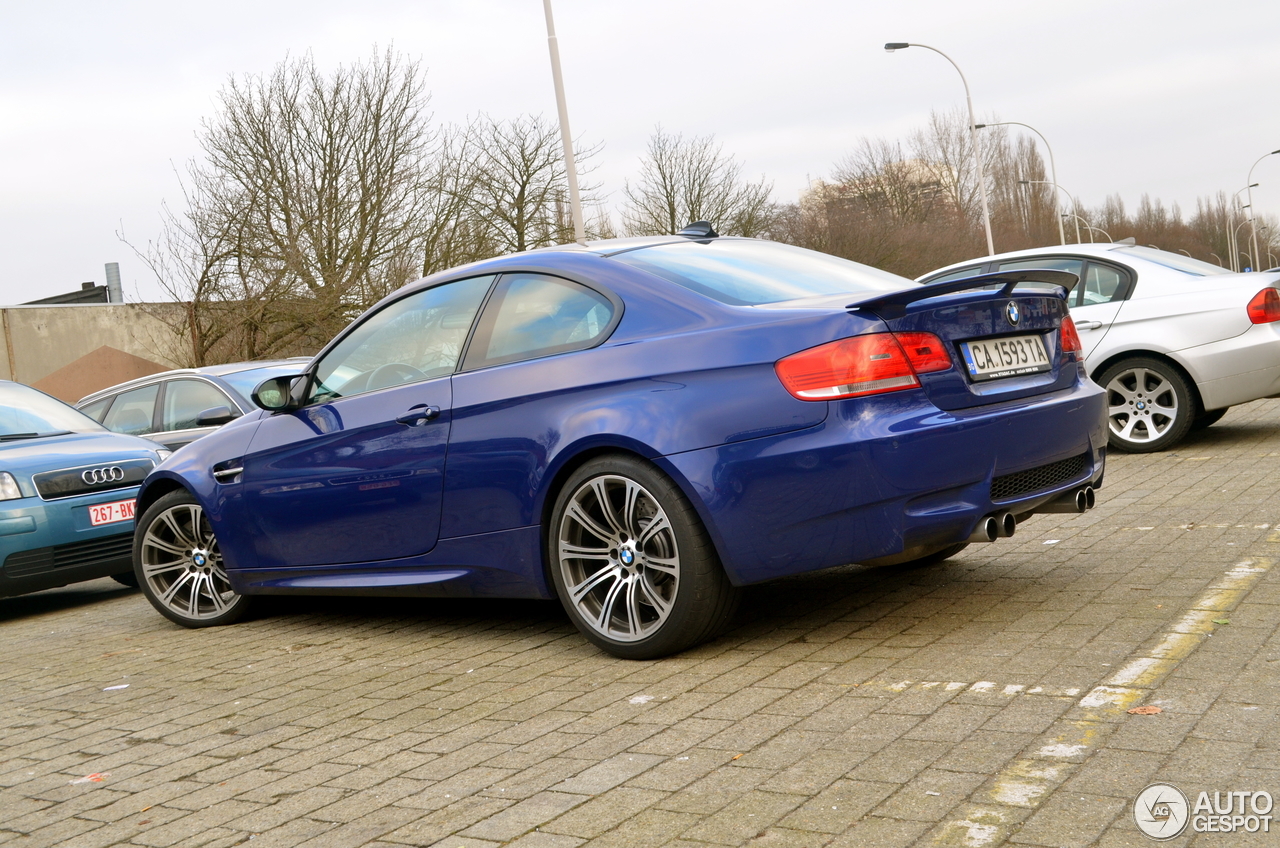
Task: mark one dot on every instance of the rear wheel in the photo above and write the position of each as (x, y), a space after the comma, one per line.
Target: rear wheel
(632, 563)
(179, 565)
(1209, 418)
(1149, 405)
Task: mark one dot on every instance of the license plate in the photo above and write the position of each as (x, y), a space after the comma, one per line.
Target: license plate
(1010, 356)
(110, 513)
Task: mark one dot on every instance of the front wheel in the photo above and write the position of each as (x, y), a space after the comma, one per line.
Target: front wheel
(632, 563)
(179, 565)
(1149, 405)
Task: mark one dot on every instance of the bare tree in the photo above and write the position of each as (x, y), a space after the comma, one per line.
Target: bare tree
(693, 180)
(307, 205)
(520, 190)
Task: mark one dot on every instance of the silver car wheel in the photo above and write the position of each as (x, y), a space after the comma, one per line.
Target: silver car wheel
(182, 565)
(1142, 405)
(618, 557)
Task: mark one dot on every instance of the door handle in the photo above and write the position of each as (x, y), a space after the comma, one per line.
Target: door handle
(419, 415)
(1088, 325)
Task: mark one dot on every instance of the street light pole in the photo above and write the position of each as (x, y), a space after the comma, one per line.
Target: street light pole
(1235, 242)
(1074, 205)
(973, 135)
(1053, 169)
(1233, 230)
(570, 166)
(1086, 226)
(1253, 229)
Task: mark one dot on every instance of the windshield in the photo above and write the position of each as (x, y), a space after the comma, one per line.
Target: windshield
(27, 413)
(751, 271)
(245, 382)
(1177, 261)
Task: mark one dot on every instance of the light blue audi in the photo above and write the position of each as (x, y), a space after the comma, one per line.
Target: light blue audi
(67, 489)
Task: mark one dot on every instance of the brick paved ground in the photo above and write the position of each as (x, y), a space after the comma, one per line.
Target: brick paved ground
(978, 702)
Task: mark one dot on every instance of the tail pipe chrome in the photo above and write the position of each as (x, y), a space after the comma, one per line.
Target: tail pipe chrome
(997, 525)
(1081, 500)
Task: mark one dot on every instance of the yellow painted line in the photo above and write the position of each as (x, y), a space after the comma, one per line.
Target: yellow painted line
(1027, 781)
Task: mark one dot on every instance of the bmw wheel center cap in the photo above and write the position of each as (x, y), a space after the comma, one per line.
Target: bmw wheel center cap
(1012, 313)
(199, 558)
(626, 556)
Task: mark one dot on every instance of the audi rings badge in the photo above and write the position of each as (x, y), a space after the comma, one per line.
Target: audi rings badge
(98, 476)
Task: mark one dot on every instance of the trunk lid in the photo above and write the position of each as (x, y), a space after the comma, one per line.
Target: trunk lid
(991, 332)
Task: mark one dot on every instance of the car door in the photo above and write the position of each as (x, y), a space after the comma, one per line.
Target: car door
(356, 474)
(1100, 298)
(509, 397)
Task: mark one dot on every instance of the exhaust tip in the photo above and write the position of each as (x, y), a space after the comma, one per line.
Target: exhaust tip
(1089, 497)
(1006, 525)
(986, 531)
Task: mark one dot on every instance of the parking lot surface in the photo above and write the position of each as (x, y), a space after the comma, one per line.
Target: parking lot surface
(983, 701)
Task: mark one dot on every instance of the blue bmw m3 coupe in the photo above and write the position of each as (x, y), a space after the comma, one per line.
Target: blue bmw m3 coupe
(66, 494)
(637, 427)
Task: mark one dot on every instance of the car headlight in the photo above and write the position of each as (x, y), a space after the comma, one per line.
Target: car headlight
(9, 490)
(164, 453)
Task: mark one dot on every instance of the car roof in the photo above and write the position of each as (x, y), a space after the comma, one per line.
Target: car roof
(203, 371)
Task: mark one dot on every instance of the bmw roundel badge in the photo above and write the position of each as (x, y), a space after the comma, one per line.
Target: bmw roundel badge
(1011, 312)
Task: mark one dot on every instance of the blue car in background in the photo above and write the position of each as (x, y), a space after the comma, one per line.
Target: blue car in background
(67, 489)
(637, 427)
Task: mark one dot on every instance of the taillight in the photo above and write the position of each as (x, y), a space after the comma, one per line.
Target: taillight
(1070, 338)
(862, 365)
(1265, 306)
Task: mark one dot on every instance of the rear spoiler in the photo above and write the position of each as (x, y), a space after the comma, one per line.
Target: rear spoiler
(894, 304)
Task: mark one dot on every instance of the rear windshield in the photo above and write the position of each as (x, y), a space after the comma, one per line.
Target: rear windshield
(1176, 261)
(747, 272)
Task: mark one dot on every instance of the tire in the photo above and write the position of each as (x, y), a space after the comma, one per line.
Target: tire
(1149, 405)
(632, 564)
(128, 578)
(179, 567)
(1208, 419)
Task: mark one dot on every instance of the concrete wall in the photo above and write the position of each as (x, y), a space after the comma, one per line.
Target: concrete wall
(36, 341)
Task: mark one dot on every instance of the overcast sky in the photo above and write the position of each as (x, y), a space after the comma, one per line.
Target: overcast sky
(100, 102)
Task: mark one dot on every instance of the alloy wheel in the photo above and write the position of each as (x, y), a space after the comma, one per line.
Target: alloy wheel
(182, 565)
(1142, 405)
(618, 557)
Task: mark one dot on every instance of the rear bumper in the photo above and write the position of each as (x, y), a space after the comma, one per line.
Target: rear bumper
(885, 473)
(1236, 370)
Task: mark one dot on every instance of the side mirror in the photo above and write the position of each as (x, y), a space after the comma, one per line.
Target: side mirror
(215, 417)
(276, 394)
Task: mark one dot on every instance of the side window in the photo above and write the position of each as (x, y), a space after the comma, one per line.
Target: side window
(532, 315)
(185, 399)
(1102, 284)
(133, 411)
(96, 409)
(415, 338)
